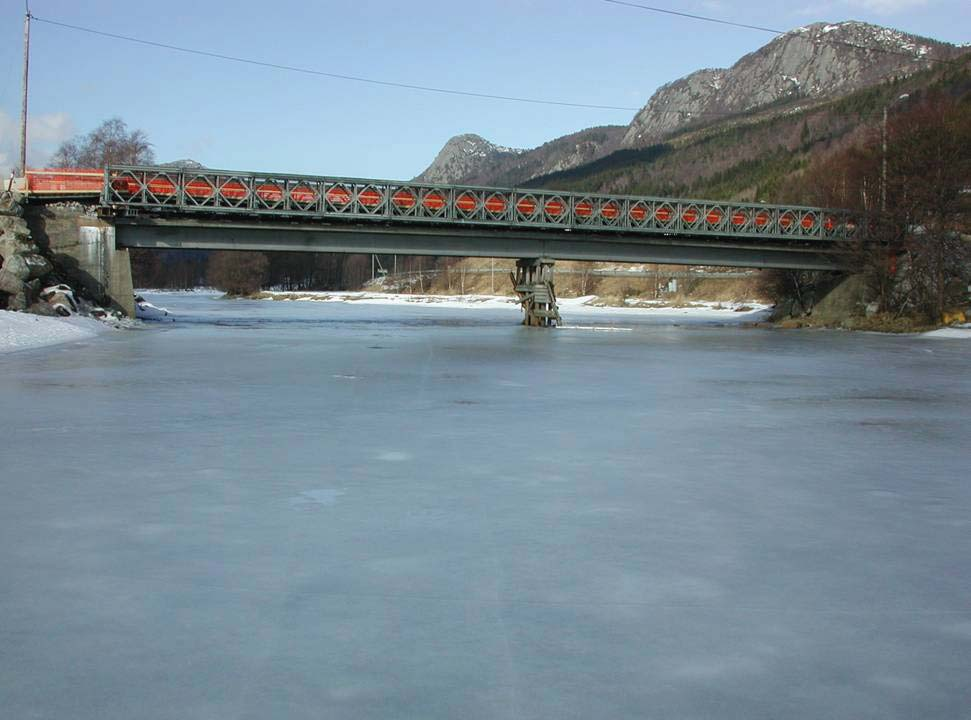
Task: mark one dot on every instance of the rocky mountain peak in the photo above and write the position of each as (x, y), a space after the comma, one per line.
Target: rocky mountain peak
(463, 155)
(814, 61)
(472, 160)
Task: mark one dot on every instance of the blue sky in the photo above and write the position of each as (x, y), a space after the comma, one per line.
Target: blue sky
(243, 117)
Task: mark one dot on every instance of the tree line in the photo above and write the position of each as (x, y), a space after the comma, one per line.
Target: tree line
(910, 178)
(243, 273)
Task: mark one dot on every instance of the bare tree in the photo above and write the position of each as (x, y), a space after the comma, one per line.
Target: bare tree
(928, 177)
(912, 254)
(238, 273)
(111, 143)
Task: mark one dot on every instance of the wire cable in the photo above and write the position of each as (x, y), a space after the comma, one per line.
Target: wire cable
(685, 113)
(780, 33)
(336, 76)
(692, 16)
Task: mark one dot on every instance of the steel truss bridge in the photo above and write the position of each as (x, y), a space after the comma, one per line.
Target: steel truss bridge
(179, 208)
(161, 207)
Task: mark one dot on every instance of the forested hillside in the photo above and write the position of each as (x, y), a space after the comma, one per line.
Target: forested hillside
(758, 156)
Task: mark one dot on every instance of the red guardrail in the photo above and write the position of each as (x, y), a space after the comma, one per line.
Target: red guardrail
(65, 181)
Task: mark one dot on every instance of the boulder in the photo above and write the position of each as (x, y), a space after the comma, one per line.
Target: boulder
(847, 299)
(10, 205)
(27, 266)
(14, 225)
(15, 265)
(42, 308)
(62, 304)
(38, 265)
(60, 298)
(15, 288)
(14, 236)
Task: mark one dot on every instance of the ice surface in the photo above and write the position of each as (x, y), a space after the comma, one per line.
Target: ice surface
(345, 510)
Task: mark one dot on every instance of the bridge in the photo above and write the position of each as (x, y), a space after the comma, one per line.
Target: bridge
(160, 207)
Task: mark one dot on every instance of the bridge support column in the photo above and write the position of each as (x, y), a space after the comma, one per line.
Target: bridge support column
(533, 282)
(84, 253)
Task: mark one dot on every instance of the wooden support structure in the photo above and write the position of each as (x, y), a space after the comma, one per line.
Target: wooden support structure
(533, 283)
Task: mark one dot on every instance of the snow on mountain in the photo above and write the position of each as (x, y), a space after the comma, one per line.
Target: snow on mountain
(815, 61)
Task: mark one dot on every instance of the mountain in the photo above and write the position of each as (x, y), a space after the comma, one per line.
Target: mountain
(472, 160)
(815, 61)
(184, 164)
(760, 155)
(467, 155)
(810, 65)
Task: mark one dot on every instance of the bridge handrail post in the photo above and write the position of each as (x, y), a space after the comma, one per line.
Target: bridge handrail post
(106, 188)
(180, 189)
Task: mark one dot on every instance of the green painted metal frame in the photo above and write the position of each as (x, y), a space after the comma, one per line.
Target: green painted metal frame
(165, 191)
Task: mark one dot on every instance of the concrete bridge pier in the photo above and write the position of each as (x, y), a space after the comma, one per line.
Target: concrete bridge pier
(533, 283)
(83, 249)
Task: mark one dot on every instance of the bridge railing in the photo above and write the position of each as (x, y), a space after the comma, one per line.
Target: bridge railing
(160, 189)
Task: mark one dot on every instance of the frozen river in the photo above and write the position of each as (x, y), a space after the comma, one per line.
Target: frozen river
(338, 510)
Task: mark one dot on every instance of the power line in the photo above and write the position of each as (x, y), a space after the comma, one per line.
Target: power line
(354, 78)
(760, 28)
(336, 76)
(683, 112)
(696, 17)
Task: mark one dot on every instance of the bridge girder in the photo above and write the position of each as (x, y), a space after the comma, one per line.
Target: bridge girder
(464, 241)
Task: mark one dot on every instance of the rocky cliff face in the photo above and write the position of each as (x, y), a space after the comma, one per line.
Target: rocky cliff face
(464, 156)
(472, 160)
(22, 267)
(815, 61)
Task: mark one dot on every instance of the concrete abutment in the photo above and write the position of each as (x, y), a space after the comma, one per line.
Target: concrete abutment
(83, 249)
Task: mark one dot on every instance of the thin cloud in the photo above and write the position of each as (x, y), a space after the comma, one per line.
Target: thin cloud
(820, 10)
(45, 132)
(886, 7)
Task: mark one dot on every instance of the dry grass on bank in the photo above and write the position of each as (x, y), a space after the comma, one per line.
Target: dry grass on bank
(574, 279)
(884, 323)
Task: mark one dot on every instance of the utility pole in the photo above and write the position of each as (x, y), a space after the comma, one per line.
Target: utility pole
(883, 173)
(23, 106)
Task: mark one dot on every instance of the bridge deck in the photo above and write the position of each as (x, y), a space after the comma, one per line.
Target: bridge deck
(229, 193)
(162, 207)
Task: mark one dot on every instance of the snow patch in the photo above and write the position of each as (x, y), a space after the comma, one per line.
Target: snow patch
(747, 311)
(22, 331)
(959, 332)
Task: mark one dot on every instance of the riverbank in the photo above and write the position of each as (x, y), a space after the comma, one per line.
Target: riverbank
(614, 284)
(750, 311)
(24, 331)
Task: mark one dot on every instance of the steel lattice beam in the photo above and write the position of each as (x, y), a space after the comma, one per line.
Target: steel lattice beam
(167, 192)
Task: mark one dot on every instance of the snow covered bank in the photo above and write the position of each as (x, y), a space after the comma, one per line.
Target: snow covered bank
(188, 291)
(589, 304)
(377, 298)
(21, 331)
(960, 332)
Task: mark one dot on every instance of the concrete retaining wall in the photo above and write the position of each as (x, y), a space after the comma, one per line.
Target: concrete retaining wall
(82, 247)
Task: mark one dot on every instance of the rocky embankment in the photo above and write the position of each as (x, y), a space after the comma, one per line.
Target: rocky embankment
(845, 303)
(30, 280)
(23, 269)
